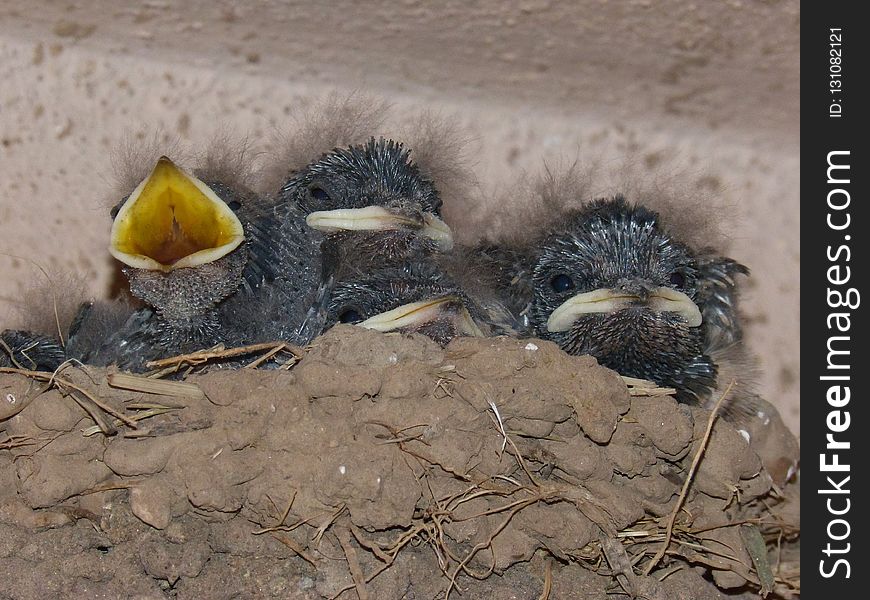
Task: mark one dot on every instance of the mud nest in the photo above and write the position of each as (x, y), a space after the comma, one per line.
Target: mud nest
(383, 466)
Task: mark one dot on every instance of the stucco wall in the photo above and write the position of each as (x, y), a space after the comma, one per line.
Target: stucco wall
(712, 85)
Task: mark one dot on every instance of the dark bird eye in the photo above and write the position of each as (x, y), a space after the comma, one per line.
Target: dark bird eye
(234, 205)
(561, 283)
(350, 315)
(678, 279)
(319, 194)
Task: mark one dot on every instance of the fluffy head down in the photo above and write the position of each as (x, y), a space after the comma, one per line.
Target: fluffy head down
(415, 298)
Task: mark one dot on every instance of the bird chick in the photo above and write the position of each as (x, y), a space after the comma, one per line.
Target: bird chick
(47, 306)
(182, 247)
(31, 351)
(374, 198)
(179, 243)
(614, 283)
(369, 202)
(416, 297)
(435, 295)
(335, 188)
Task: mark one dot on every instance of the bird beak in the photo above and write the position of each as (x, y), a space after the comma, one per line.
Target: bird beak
(661, 299)
(173, 220)
(417, 314)
(378, 218)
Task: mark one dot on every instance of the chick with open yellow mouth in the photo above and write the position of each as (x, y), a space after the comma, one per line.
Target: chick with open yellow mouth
(183, 250)
(181, 244)
(172, 221)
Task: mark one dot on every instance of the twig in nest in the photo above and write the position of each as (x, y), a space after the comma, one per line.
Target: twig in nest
(668, 572)
(370, 546)
(548, 580)
(275, 528)
(463, 568)
(500, 427)
(326, 524)
(16, 441)
(278, 348)
(296, 548)
(87, 400)
(507, 440)
(689, 478)
(201, 356)
(11, 354)
(343, 535)
(397, 439)
(137, 383)
(140, 416)
(281, 526)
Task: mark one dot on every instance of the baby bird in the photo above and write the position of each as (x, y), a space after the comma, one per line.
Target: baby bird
(30, 351)
(419, 296)
(369, 201)
(637, 285)
(616, 280)
(182, 247)
(613, 282)
(373, 196)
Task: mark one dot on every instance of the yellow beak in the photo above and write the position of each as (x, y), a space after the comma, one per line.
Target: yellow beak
(377, 218)
(662, 299)
(416, 314)
(173, 220)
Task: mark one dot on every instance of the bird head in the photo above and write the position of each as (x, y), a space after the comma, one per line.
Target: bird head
(613, 283)
(416, 298)
(374, 196)
(181, 243)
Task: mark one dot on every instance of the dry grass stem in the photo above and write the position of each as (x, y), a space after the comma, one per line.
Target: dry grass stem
(219, 352)
(685, 490)
(137, 383)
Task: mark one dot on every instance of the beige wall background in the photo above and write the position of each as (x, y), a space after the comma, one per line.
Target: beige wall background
(710, 86)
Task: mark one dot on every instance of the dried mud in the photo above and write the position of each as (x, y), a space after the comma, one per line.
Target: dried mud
(383, 466)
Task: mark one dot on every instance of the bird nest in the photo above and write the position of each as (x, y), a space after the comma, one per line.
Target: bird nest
(383, 466)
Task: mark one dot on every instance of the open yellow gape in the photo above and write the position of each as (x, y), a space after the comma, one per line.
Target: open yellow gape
(173, 220)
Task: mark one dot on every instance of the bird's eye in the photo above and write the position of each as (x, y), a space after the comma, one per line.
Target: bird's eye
(561, 283)
(319, 194)
(350, 315)
(678, 279)
(234, 205)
